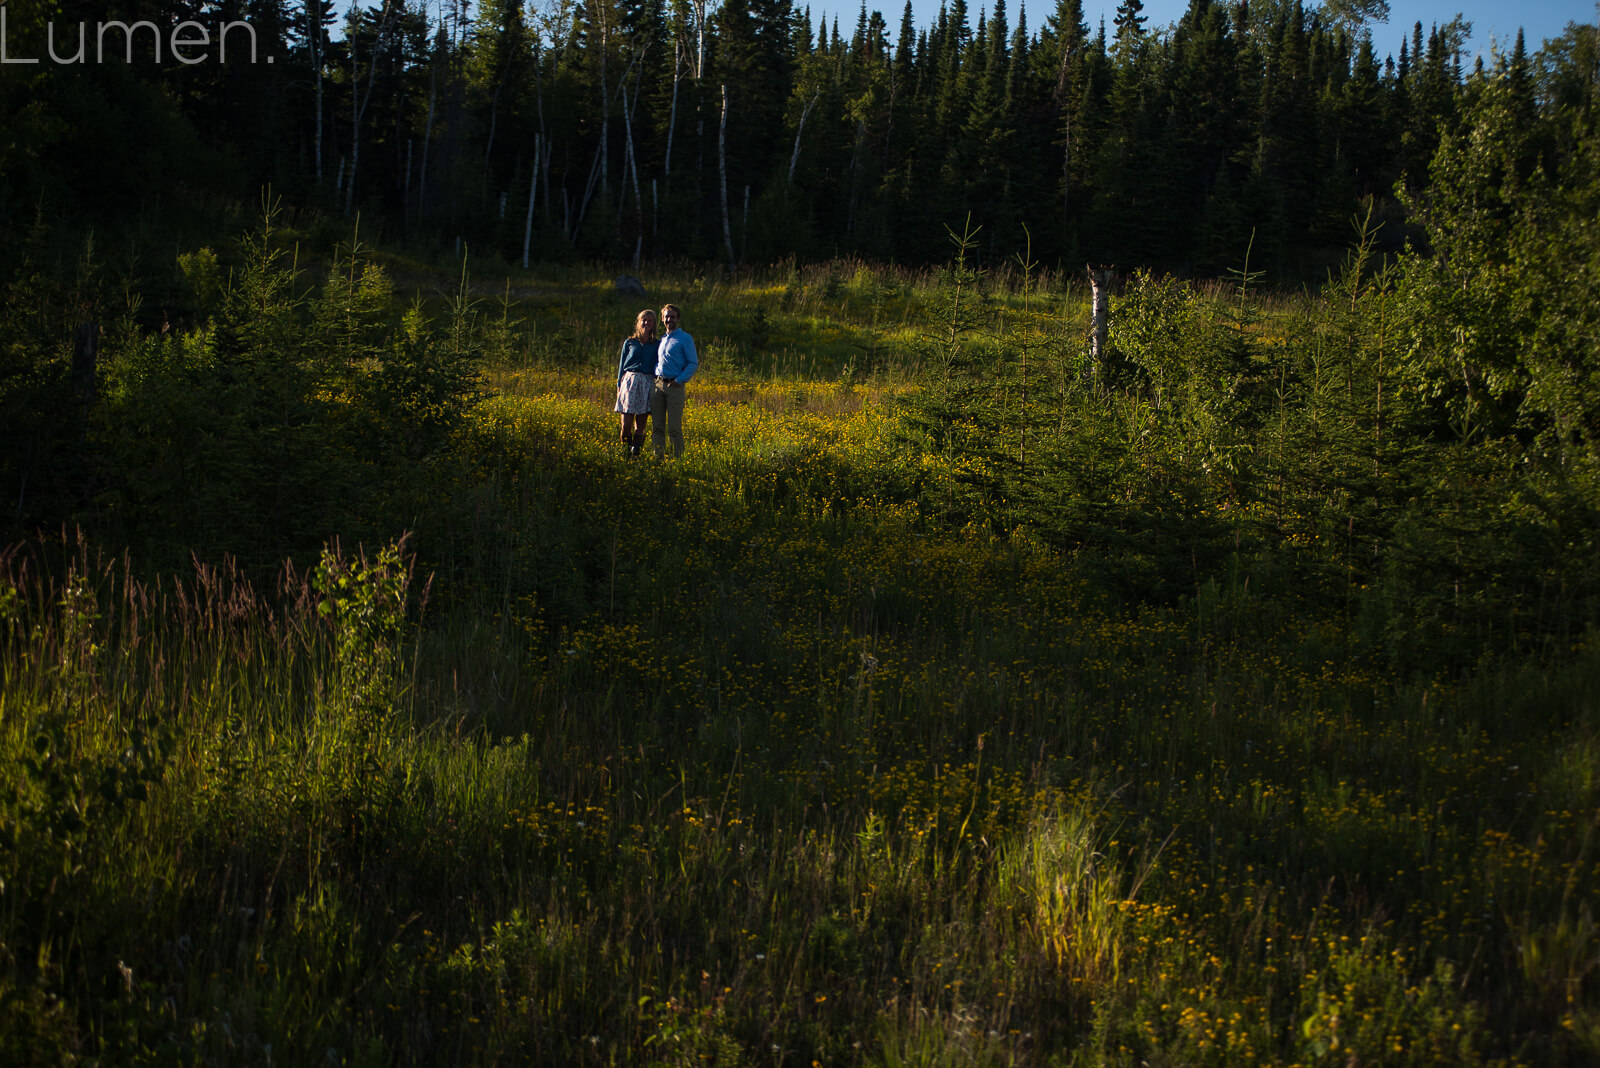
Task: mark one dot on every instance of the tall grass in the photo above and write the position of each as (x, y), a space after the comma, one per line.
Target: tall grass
(748, 758)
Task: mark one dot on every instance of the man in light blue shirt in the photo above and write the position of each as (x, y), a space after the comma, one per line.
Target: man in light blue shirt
(676, 363)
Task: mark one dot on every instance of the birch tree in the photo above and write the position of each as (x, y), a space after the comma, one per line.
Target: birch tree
(361, 97)
(501, 52)
(722, 170)
(317, 15)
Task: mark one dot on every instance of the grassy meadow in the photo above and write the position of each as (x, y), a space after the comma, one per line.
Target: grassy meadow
(788, 752)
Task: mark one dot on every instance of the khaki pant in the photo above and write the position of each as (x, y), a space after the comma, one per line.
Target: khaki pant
(666, 419)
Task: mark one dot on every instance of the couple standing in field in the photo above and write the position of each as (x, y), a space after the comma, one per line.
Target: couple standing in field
(651, 374)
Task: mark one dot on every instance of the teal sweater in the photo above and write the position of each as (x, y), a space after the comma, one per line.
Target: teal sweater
(637, 356)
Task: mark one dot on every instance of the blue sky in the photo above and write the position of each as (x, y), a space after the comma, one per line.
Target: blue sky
(1497, 19)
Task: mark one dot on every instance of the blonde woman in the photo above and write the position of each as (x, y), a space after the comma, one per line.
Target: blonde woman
(636, 369)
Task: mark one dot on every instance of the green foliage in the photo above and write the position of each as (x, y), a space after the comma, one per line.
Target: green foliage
(43, 400)
(280, 414)
(1365, 1006)
(36, 1029)
(203, 274)
(366, 602)
(1410, 443)
(954, 416)
(66, 796)
(1497, 334)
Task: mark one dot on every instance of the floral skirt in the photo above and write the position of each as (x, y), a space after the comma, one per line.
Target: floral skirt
(633, 393)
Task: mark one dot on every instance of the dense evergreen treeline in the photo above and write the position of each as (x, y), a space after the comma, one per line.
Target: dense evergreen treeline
(743, 131)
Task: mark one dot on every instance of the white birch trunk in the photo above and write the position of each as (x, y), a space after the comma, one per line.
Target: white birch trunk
(314, 35)
(598, 167)
(633, 169)
(355, 131)
(411, 144)
(700, 40)
(540, 166)
(672, 113)
(855, 176)
(1100, 318)
(427, 139)
(544, 171)
(722, 169)
(605, 105)
(494, 120)
(794, 158)
(1066, 177)
(533, 189)
(359, 101)
(588, 191)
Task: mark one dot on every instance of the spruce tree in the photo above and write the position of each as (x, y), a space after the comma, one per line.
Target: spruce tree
(1129, 21)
